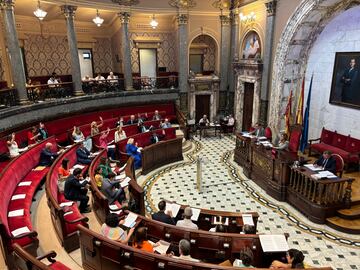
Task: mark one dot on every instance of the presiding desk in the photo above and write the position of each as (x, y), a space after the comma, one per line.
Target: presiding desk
(318, 199)
(269, 169)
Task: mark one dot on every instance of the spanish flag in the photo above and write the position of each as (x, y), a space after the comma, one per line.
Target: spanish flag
(288, 115)
(300, 106)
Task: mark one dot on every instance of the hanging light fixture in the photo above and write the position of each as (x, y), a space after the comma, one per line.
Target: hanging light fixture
(39, 13)
(98, 20)
(154, 23)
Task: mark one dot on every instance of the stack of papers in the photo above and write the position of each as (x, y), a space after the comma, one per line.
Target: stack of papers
(173, 207)
(273, 243)
(66, 204)
(266, 143)
(324, 174)
(313, 168)
(78, 166)
(262, 138)
(195, 214)
(247, 219)
(161, 246)
(19, 231)
(24, 184)
(16, 213)
(120, 176)
(130, 220)
(125, 182)
(18, 197)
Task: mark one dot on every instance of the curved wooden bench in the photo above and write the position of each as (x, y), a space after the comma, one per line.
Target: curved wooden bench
(99, 201)
(23, 168)
(26, 261)
(66, 218)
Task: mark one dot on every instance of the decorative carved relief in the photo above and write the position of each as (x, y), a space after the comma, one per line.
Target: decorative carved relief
(182, 19)
(271, 7)
(124, 17)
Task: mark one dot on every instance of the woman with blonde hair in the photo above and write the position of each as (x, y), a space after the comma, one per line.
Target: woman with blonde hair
(119, 134)
(134, 151)
(95, 127)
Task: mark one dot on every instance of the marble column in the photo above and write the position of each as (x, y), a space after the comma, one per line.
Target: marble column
(69, 12)
(183, 62)
(224, 61)
(234, 53)
(13, 48)
(269, 38)
(125, 50)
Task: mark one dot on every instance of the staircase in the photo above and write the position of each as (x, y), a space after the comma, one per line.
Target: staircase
(346, 220)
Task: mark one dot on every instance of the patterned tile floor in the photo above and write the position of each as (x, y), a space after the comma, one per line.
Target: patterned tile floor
(226, 188)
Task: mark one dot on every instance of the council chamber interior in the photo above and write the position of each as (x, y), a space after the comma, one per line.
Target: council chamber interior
(179, 134)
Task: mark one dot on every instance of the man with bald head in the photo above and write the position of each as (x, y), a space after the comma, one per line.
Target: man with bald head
(47, 156)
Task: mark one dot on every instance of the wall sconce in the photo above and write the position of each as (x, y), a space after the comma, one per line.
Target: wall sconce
(247, 18)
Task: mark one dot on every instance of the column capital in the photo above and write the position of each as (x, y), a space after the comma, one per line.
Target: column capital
(7, 4)
(68, 10)
(182, 19)
(235, 16)
(225, 19)
(271, 7)
(124, 17)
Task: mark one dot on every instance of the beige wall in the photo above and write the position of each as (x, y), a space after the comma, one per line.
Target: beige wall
(211, 52)
(103, 56)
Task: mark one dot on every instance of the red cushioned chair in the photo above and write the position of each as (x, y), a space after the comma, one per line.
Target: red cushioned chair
(295, 136)
(26, 261)
(268, 133)
(339, 164)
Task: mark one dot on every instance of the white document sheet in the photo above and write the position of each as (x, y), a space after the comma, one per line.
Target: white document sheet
(173, 207)
(16, 213)
(18, 197)
(196, 213)
(247, 219)
(162, 247)
(313, 168)
(130, 220)
(125, 182)
(24, 184)
(273, 243)
(20, 231)
(66, 204)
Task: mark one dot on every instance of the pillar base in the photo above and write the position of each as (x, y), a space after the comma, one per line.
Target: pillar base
(24, 101)
(129, 88)
(78, 93)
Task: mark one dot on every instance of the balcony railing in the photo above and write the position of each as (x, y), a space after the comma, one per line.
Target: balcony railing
(42, 92)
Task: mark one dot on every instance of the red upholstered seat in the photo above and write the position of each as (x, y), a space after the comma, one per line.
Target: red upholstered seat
(268, 133)
(326, 136)
(339, 140)
(348, 157)
(339, 164)
(71, 227)
(294, 140)
(59, 266)
(352, 145)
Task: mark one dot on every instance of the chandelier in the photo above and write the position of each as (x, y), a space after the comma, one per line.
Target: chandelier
(153, 22)
(98, 20)
(248, 18)
(186, 4)
(39, 13)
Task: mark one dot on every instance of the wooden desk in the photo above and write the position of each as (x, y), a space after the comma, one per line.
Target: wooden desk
(318, 199)
(160, 154)
(205, 129)
(271, 172)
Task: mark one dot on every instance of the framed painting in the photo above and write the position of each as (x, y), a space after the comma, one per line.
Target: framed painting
(251, 48)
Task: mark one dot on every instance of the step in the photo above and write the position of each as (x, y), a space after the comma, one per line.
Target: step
(351, 213)
(344, 225)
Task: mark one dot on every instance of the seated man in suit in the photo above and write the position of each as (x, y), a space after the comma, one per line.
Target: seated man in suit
(156, 116)
(47, 157)
(258, 131)
(76, 191)
(162, 216)
(204, 121)
(186, 222)
(132, 120)
(83, 155)
(109, 188)
(165, 124)
(142, 128)
(157, 137)
(327, 162)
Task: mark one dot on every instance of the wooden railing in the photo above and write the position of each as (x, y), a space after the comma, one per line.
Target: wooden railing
(325, 192)
(113, 85)
(161, 82)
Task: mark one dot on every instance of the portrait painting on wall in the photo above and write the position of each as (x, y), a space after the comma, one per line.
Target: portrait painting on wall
(345, 89)
(251, 48)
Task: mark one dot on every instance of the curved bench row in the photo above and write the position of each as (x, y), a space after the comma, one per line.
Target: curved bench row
(64, 217)
(59, 127)
(18, 183)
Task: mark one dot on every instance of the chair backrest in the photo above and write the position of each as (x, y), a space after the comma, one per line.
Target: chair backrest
(268, 133)
(294, 140)
(339, 164)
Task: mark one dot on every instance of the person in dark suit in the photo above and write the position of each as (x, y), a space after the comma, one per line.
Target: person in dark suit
(142, 128)
(132, 120)
(348, 79)
(83, 155)
(109, 189)
(76, 191)
(162, 216)
(258, 131)
(327, 162)
(47, 157)
(157, 137)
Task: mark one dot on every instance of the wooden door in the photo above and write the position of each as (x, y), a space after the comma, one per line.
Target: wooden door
(248, 106)
(202, 106)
